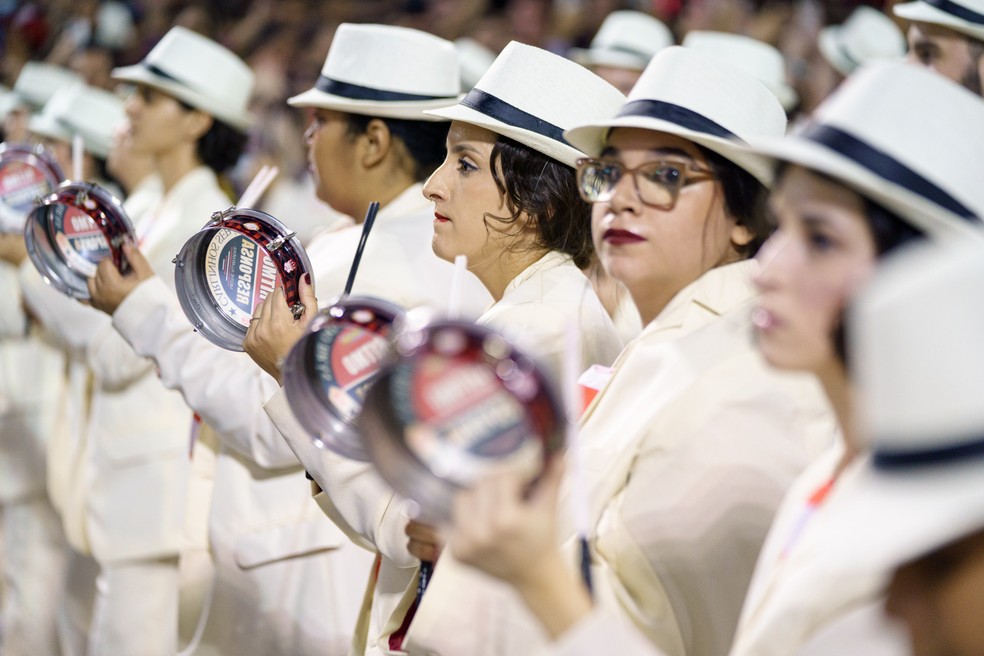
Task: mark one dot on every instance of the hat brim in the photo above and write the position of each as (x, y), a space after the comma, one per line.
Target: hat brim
(552, 148)
(832, 49)
(882, 520)
(408, 110)
(138, 74)
(48, 128)
(591, 139)
(596, 57)
(921, 213)
(921, 12)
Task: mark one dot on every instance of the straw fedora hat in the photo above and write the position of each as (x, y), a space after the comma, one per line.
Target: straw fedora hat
(531, 95)
(626, 39)
(698, 97)
(199, 72)
(867, 35)
(38, 82)
(751, 55)
(387, 71)
(474, 60)
(872, 135)
(964, 16)
(80, 109)
(918, 353)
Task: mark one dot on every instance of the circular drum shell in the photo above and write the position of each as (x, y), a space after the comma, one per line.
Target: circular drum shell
(14, 210)
(387, 430)
(309, 369)
(191, 278)
(101, 208)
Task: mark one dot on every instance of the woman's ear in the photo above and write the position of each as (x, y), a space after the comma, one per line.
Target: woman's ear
(741, 236)
(198, 123)
(376, 143)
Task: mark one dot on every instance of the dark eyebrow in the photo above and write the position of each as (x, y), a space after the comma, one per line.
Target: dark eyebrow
(611, 151)
(463, 147)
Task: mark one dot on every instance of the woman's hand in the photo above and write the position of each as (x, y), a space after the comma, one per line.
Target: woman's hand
(109, 288)
(273, 330)
(425, 542)
(510, 533)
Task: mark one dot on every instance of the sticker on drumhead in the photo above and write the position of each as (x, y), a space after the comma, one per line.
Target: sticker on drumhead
(78, 238)
(346, 360)
(239, 274)
(20, 185)
(459, 419)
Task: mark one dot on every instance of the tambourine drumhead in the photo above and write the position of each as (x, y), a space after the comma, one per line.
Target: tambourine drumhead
(457, 402)
(72, 230)
(227, 268)
(27, 173)
(330, 369)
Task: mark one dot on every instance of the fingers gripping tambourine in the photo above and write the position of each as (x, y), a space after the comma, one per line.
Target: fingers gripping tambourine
(72, 230)
(27, 173)
(229, 266)
(328, 372)
(453, 402)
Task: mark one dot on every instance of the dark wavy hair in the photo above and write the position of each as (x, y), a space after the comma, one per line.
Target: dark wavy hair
(425, 141)
(546, 191)
(745, 199)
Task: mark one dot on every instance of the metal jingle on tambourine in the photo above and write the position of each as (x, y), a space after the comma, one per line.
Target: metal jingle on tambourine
(73, 229)
(329, 371)
(229, 266)
(27, 173)
(456, 402)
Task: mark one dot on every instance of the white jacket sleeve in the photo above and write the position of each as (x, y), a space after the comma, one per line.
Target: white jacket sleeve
(601, 633)
(354, 496)
(225, 388)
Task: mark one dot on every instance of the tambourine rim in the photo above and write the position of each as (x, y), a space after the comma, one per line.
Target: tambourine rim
(37, 157)
(192, 254)
(306, 401)
(397, 443)
(111, 209)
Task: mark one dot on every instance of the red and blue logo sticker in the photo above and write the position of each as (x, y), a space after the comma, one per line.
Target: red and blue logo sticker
(347, 359)
(78, 238)
(20, 185)
(239, 274)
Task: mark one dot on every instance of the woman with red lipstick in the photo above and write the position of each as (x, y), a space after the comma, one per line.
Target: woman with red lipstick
(693, 441)
(839, 211)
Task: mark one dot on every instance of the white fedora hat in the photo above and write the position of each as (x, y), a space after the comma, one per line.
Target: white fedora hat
(699, 98)
(532, 96)
(91, 113)
(199, 72)
(867, 35)
(872, 135)
(751, 55)
(917, 350)
(965, 16)
(38, 82)
(626, 39)
(387, 71)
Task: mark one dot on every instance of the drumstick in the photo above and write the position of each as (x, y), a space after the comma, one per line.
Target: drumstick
(457, 283)
(366, 227)
(254, 190)
(579, 496)
(78, 150)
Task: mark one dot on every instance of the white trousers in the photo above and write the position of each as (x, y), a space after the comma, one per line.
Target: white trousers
(136, 609)
(34, 555)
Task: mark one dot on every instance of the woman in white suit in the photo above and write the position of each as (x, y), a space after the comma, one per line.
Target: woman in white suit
(839, 211)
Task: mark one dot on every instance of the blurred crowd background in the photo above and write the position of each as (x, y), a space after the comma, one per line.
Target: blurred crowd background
(285, 41)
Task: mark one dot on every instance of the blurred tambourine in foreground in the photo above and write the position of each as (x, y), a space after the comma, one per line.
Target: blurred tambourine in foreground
(328, 372)
(27, 173)
(72, 230)
(230, 265)
(453, 402)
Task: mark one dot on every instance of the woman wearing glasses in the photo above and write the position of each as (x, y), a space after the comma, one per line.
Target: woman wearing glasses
(692, 443)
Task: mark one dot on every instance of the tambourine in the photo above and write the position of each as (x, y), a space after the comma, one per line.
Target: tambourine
(457, 401)
(223, 272)
(27, 173)
(72, 230)
(328, 372)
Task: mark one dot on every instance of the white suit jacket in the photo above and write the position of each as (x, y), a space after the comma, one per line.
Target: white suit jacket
(534, 312)
(688, 451)
(800, 597)
(134, 460)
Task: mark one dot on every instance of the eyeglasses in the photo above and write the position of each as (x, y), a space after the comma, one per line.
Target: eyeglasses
(656, 183)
